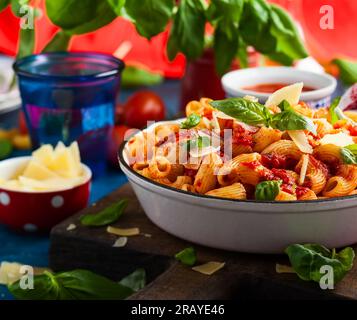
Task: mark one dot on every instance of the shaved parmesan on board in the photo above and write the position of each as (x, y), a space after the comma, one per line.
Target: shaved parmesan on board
(281, 268)
(209, 268)
(300, 139)
(123, 232)
(289, 93)
(340, 139)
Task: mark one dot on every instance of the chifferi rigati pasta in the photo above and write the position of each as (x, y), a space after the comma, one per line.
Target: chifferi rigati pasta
(238, 148)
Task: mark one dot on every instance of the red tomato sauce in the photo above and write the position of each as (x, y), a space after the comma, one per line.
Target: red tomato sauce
(272, 87)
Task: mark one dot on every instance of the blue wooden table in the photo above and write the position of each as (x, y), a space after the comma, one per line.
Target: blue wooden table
(33, 249)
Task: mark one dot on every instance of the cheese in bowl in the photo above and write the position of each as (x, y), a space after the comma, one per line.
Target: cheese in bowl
(48, 169)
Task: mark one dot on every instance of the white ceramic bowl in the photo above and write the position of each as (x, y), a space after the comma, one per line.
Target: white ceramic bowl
(233, 83)
(244, 225)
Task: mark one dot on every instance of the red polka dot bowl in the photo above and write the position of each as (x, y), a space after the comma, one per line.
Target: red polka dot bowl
(39, 211)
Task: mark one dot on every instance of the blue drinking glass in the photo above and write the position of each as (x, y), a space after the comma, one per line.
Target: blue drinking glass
(70, 96)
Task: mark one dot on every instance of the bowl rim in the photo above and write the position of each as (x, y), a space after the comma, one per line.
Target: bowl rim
(123, 162)
(309, 95)
(87, 170)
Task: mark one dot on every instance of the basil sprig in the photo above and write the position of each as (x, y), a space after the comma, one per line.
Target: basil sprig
(198, 143)
(105, 217)
(348, 71)
(254, 113)
(187, 256)
(78, 285)
(267, 190)
(191, 121)
(332, 110)
(349, 154)
(307, 260)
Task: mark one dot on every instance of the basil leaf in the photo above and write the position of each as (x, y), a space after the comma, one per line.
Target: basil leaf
(348, 71)
(134, 77)
(105, 217)
(308, 259)
(5, 148)
(349, 154)
(252, 113)
(333, 115)
(187, 256)
(200, 142)
(27, 43)
(117, 6)
(267, 190)
(283, 28)
(191, 121)
(16, 6)
(225, 46)
(59, 42)
(187, 32)
(78, 17)
(71, 285)
(149, 16)
(135, 281)
(4, 4)
(285, 106)
(225, 10)
(242, 53)
(290, 120)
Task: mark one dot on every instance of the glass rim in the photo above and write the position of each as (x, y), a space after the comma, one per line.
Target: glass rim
(88, 54)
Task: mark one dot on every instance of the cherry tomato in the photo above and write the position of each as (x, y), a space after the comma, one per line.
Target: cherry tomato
(22, 123)
(142, 107)
(117, 137)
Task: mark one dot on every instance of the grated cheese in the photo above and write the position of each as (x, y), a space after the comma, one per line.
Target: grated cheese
(300, 139)
(123, 232)
(120, 242)
(305, 163)
(209, 268)
(281, 268)
(340, 139)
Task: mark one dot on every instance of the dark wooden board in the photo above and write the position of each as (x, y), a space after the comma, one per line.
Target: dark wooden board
(245, 276)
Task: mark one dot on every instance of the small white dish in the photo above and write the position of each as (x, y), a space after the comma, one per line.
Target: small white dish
(234, 83)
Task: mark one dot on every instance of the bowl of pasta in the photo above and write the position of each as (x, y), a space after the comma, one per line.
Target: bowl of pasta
(242, 176)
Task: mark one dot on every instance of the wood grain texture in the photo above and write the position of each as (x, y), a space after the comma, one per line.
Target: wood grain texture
(245, 276)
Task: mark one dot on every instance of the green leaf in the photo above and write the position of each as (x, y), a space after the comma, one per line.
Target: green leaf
(348, 71)
(135, 281)
(242, 53)
(225, 46)
(308, 259)
(290, 120)
(134, 77)
(5, 148)
(267, 190)
(349, 154)
(289, 43)
(71, 285)
(187, 32)
(4, 4)
(332, 110)
(252, 113)
(187, 256)
(149, 16)
(16, 7)
(59, 42)
(105, 217)
(191, 121)
(78, 17)
(225, 10)
(117, 6)
(203, 142)
(27, 43)
(285, 106)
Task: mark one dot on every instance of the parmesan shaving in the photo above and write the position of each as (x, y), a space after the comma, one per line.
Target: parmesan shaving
(120, 242)
(281, 268)
(289, 93)
(340, 139)
(70, 227)
(10, 272)
(300, 139)
(209, 268)
(123, 232)
(305, 163)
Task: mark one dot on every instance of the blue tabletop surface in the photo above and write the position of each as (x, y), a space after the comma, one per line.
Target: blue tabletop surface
(33, 249)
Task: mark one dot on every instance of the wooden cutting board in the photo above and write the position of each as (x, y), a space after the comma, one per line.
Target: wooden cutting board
(245, 276)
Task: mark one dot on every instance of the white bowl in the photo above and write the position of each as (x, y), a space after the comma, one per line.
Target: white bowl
(244, 225)
(233, 83)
